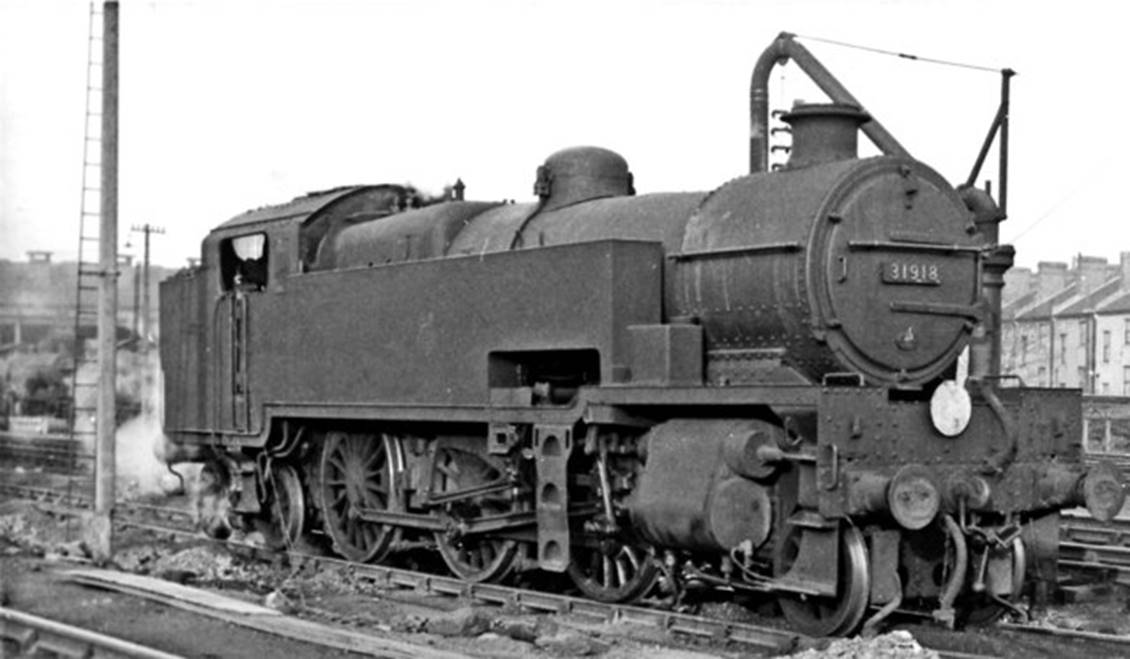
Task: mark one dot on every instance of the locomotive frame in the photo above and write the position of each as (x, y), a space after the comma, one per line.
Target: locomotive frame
(726, 388)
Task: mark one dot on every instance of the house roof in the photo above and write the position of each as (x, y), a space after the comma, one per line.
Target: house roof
(1046, 307)
(1013, 307)
(1087, 304)
(1116, 304)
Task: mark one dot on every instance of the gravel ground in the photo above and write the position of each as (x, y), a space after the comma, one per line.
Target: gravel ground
(33, 541)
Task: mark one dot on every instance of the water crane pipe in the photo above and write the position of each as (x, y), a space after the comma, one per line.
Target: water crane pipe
(784, 48)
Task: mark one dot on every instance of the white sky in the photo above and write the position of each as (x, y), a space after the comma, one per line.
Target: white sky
(229, 104)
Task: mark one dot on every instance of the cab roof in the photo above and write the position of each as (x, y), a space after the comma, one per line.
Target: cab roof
(298, 208)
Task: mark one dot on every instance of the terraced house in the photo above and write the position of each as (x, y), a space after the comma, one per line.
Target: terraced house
(1070, 327)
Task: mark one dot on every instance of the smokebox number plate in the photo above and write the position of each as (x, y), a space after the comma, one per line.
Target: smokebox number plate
(910, 272)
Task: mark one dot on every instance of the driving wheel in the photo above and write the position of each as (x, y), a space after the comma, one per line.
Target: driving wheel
(471, 557)
(613, 570)
(357, 472)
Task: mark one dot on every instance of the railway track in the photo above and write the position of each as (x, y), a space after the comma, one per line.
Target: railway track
(48, 453)
(156, 518)
(176, 521)
(26, 635)
(1120, 460)
(1086, 543)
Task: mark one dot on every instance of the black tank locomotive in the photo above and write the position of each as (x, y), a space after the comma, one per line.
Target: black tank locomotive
(727, 387)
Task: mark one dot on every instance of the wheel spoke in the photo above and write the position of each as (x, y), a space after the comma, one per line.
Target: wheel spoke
(347, 481)
(632, 558)
(474, 558)
(376, 457)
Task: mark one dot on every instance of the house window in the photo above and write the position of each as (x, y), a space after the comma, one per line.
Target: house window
(1083, 332)
(1023, 347)
(1042, 376)
(1126, 331)
(1106, 346)
(1063, 348)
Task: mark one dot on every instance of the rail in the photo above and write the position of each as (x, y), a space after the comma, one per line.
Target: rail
(34, 636)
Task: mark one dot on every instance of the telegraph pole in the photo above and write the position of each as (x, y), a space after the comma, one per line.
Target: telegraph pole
(100, 534)
(146, 229)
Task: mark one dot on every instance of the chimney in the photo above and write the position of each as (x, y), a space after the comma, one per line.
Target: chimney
(824, 132)
(1124, 269)
(1051, 278)
(1017, 283)
(1090, 272)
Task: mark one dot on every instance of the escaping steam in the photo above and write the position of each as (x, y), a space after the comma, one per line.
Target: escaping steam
(139, 442)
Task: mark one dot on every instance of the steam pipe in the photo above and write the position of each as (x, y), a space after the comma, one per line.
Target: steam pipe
(784, 48)
(952, 587)
(999, 460)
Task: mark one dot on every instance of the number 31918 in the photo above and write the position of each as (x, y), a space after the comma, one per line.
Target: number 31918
(906, 272)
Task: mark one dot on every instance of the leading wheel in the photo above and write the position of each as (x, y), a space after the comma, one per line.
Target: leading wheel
(830, 616)
(472, 557)
(357, 472)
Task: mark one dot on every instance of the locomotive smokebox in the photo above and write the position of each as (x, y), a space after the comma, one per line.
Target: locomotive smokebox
(824, 132)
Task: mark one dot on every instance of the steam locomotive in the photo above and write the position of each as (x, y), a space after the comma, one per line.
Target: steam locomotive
(755, 387)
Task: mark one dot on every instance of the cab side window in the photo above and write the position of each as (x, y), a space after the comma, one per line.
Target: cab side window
(243, 262)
